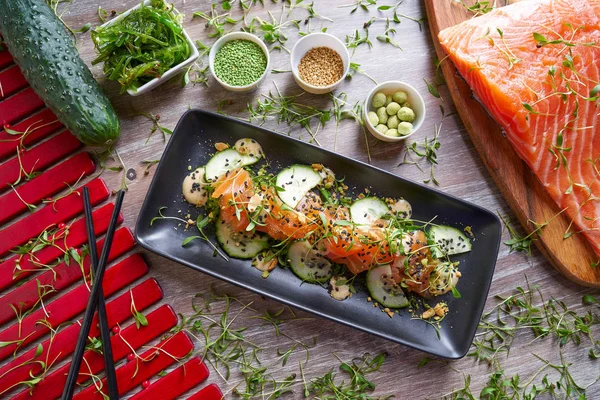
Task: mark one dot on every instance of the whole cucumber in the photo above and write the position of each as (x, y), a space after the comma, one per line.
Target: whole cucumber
(44, 50)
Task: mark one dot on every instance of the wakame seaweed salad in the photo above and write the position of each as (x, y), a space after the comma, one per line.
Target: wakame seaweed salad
(142, 45)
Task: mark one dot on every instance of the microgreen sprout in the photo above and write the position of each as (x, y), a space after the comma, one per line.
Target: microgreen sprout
(341, 110)
(54, 5)
(522, 311)
(29, 206)
(22, 135)
(139, 318)
(415, 152)
(356, 39)
(479, 7)
(386, 36)
(355, 68)
(520, 243)
(287, 109)
(273, 31)
(358, 385)
(437, 81)
(149, 164)
(215, 20)
(156, 125)
(363, 4)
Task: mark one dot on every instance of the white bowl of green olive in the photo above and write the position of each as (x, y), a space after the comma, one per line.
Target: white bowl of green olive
(393, 111)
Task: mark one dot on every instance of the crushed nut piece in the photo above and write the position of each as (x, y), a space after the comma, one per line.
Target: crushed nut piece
(428, 313)
(220, 146)
(441, 309)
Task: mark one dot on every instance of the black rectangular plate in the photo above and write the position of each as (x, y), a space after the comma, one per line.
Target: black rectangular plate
(192, 144)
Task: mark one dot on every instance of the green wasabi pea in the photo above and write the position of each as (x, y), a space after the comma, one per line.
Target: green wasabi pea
(406, 114)
(392, 122)
(373, 118)
(404, 128)
(378, 100)
(382, 128)
(392, 132)
(400, 97)
(406, 104)
(388, 99)
(392, 108)
(382, 115)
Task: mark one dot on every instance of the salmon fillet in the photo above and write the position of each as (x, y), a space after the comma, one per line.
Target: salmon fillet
(535, 65)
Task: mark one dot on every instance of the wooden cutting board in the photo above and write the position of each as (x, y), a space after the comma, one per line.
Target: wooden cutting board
(526, 196)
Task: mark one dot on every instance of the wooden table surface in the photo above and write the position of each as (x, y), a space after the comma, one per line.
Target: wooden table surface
(460, 173)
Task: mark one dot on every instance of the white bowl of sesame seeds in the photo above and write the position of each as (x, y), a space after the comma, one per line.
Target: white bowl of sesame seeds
(319, 62)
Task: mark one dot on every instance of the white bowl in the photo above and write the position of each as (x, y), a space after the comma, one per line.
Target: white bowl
(311, 41)
(236, 36)
(148, 86)
(414, 98)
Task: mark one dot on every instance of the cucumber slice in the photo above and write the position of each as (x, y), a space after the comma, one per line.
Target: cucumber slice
(240, 244)
(296, 181)
(368, 210)
(307, 264)
(383, 289)
(225, 161)
(449, 241)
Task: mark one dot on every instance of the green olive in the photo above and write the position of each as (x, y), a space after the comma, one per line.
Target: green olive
(400, 97)
(393, 108)
(392, 122)
(382, 128)
(404, 128)
(406, 114)
(382, 115)
(378, 100)
(373, 118)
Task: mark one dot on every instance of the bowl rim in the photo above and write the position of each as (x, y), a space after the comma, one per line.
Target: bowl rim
(367, 108)
(239, 35)
(313, 36)
(153, 83)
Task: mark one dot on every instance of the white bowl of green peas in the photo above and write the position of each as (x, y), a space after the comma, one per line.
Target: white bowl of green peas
(239, 69)
(393, 111)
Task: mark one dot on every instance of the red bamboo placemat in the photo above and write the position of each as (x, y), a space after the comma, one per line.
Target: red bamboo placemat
(45, 270)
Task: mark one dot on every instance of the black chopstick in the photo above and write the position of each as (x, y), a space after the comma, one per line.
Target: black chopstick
(109, 365)
(92, 301)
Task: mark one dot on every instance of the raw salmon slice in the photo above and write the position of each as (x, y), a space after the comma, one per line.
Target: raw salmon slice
(535, 67)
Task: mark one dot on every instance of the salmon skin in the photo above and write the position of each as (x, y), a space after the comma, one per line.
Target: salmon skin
(535, 66)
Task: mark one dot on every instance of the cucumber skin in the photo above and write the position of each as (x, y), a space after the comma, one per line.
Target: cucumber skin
(44, 50)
